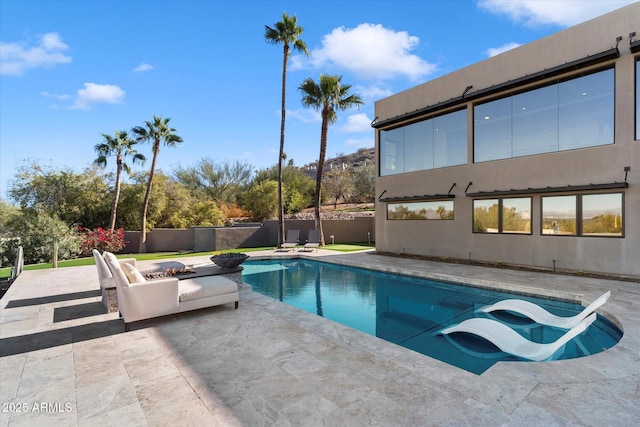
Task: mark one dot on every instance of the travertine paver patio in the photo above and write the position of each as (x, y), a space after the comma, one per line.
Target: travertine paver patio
(64, 362)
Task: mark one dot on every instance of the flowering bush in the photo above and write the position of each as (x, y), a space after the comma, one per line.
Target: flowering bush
(101, 239)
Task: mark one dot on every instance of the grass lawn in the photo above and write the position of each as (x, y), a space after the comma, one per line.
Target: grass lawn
(6, 272)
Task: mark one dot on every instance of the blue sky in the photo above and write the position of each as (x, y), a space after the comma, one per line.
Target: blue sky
(73, 70)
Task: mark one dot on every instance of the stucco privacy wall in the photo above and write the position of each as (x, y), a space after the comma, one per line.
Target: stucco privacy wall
(200, 239)
(602, 164)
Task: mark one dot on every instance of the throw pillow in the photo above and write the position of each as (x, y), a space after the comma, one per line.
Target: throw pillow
(132, 273)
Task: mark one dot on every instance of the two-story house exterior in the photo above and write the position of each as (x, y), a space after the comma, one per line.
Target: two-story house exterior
(531, 157)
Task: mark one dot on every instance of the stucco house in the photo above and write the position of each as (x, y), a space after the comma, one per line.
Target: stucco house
(530, 157)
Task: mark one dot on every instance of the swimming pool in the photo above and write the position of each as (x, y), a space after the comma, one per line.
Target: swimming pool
(409, 311)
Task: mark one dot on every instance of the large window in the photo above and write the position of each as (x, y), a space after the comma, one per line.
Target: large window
(512, 215)
(559, 215)
(572, 114)
(442, 209)
(434, 143)
(602, 215)
(583, 215)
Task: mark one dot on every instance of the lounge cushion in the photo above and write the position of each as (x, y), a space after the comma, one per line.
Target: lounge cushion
(132, 273)
(114, 266)
(203, 287)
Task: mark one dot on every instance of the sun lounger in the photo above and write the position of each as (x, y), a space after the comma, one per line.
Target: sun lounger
(542, 316)
(291, 241)
(312, 242)
(509, 341)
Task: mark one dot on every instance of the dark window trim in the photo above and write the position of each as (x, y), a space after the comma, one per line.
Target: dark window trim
(501, 231)
(578, 214)
(444, 198)
(511, 84)
(580, 218)
(634, 46)
(567, 188)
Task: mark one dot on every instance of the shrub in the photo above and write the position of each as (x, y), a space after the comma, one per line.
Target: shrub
(101, 239)
(262, 200)
(37, 232)
(232, 210)
(8, 250)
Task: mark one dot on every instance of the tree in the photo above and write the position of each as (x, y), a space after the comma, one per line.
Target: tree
(286, 32)
(206, 213)
(261, 199)
(120, 146)
(9, 242)
(7, 214)
(220, 182)
(297, 192)
(365, 183)
(327, 96)
(338, 183)
(156, 132)
(37, 232)
(74, 198)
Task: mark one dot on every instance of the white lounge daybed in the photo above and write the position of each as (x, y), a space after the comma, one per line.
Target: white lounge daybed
(509, 341)
(542, 316)
(139, 299)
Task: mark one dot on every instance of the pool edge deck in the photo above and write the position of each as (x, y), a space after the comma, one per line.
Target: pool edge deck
(269, 363)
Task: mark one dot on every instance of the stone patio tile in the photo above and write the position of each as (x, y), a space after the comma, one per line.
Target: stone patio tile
(101, 397)
(130, 416)
(173, 402)
(270, 364)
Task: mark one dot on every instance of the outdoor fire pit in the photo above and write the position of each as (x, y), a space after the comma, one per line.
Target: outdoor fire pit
(230, 260)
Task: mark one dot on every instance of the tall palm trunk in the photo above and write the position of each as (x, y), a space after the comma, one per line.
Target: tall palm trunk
(145, 205)
(323, 153)
(281, 153)
(116, 197)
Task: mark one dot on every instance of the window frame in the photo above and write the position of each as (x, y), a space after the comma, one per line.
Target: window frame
(500, 230)
(579, 217)
(428, 202)
(439, 152)
(575, 218)
(480, 157)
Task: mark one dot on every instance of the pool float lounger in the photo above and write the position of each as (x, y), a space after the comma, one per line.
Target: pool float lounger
(542, 316)
(509, 341)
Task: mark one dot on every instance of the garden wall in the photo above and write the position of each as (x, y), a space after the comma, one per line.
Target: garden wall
(202, 239)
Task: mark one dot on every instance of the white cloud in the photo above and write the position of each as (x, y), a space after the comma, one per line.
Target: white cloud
(62, 97)
(559, 12)
(374, 92)
(96, 93)
(370, 51)
(143, 67)
(357, 123)
(306, 115)
(366, 142)
(493, 51)
(16, 58)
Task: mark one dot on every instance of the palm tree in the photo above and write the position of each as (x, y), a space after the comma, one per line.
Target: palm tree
(287, 33)
(327, 97)
(120, 146)
(156, 131)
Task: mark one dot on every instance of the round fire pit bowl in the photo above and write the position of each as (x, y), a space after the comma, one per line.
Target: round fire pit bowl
(230, 260)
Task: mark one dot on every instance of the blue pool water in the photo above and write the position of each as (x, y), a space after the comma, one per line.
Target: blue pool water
(409, 311)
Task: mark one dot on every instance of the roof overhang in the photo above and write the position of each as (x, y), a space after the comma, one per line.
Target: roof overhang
(511, 84)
